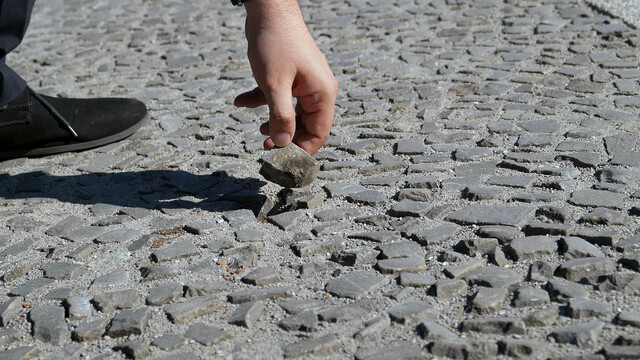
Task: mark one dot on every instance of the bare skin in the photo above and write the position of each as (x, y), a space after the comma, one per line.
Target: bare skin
(287, 63)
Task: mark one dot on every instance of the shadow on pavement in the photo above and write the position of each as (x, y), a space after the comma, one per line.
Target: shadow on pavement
(152, 189)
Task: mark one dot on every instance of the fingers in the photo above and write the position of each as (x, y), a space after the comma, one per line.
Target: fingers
(282, 123)
(250, 99)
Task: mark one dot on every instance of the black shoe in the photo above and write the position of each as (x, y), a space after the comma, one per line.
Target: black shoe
(36, 125)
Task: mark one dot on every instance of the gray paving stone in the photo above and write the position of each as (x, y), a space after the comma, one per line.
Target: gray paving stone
(128, 322)
(447, 289)
(494, 326)
(273, 293)
(78, 307)
(463, 349)
(327, 245)
(90, 330)
(399, 249)
(164, 294)
(532, 247)
(8, 336)
(434, 235)
(117, 236)
(168, 341)
(206, 335)
(247, 314)
(9, 310)
(530, 297)
(413, 263)
(367, 197)
(377, 236)
(65, 225)
(407, 207)
(133, 349)
(587, 308)
(183, 312)
(476, 247)
(488, 300)
(48, 324)
(521, 348)
(355, 284)
(20, 353)
(432, 332)
(401, 350)
(492, 215)
(305, 321)
(30, 287)
(599, 237)
(577, 269)
(178, 250)
(494, 277)
(321, 346)
(597, 198)
(62, 270)
(289, 220)
(562, 291)
(347, 312)
(116, 300)
(157, 272)
(574, 248)
(543, 317)
(583, 335)
(290, 167)
(631, 318)
(464, 268)
(413, 312)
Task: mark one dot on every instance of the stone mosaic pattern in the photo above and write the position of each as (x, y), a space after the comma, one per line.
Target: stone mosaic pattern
(478, 196)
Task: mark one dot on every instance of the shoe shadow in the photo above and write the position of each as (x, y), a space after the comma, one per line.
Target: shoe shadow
(163, 190)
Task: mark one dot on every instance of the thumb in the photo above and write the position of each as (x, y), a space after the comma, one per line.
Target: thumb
(282, 118)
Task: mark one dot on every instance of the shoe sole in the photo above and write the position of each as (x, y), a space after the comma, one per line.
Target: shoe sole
(75, 147)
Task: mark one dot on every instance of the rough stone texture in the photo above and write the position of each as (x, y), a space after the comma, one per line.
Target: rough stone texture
(530, 106)
(355, 284)
(129, 322)
(48, 324)
(290, 167)
(583, 335)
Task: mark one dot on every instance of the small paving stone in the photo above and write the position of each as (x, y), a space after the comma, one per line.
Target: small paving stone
(206, 335)
(583, 335)
(563, 291)
(164, 294)
(114, 278)
(261, 276)
(304, 321)
(532, 247)
(63, 271)
(355, 284)
(473, 247)
(577, 269)
(65, 225)
(415, 263)
(410, 147)
(632, 261)
(597, 198)
(373, 328)
(586, 308)
(168, 341)
(48, 324)
(78, 307)
(85, 233)
(542, 270)
(299, 306)
(8, 336)
(31, 286)
(150, 273)
(412, 312)
(273, 293)
(435, 235)
(347, 312)
(494, 277)
(128, 322)
(598, 237)
(542, 228)
(543, 317)
(289, 220)
(494, 326)
(464, 268)
(432, 331)
(521, 348)
(530, 297)
(20, 353)
(631, 318)
(133, 349)
(118, 236)
(290, 167)
(575, 248)
(355, 257)
(605, 216)
(620, 352)
(180, 313)
(487, 300)
(408, 207)
(90, 330)
(9, 310)
(367, 197)
(463, 349)
(447, 289)
(416, 280)
(399, 249)
(116, 300)
(401, 350)
(478, 193)
(176, 251)
(629, 244)
(327, 245)
(247, 314)
(504, 234)
(321, 346)
(492, 215)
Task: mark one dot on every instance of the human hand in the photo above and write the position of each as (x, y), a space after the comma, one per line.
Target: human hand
(287, 63)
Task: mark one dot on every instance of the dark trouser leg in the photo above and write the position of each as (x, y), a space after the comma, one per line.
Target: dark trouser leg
(14, 19)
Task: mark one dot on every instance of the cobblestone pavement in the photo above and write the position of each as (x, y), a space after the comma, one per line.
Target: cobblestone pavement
(478, 197)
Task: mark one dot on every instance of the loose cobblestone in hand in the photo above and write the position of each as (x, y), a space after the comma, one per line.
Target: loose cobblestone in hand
(477, 197)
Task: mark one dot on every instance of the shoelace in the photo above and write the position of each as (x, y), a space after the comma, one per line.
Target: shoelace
(53, 112)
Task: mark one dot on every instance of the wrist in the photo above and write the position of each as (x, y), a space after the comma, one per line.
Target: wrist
(260, 10)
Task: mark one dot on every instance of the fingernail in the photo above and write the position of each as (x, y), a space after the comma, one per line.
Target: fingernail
(281, 139)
